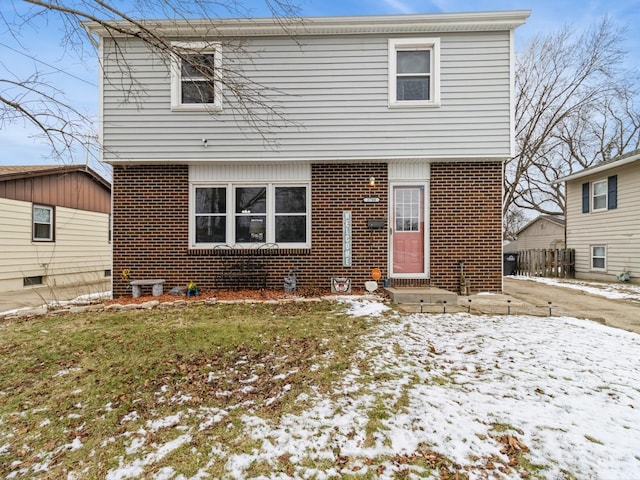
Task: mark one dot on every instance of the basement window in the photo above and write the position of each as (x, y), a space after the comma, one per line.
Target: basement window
(32, 281)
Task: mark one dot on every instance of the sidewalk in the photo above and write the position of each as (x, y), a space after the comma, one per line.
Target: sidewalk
(36, 297)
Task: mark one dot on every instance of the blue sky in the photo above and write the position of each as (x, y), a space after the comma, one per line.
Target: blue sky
(78, 80)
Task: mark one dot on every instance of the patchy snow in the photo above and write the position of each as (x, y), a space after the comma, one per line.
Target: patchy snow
(614, 291)
(566, 391)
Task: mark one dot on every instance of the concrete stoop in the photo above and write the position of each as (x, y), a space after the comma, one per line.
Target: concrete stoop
(421, 296)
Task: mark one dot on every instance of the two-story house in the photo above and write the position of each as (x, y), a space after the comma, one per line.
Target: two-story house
(603, 218)
(348, 144)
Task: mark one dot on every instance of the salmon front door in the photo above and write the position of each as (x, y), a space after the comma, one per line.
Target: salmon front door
(408, 231)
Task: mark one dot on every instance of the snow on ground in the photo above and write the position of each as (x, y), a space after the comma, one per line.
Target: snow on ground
(614, 291)
(567, 389)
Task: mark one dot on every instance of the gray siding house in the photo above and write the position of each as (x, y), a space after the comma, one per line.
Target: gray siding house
(543, 232)
(603, 218)
(339, 145)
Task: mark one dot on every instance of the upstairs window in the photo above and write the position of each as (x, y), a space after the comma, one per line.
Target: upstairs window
(600, 195)
(43, 217)
(195, 77)
(414, 72)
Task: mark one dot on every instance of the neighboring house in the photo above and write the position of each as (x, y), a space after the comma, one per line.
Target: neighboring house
(386, 152)
(54, 227)
(542, 233)
(603, 218)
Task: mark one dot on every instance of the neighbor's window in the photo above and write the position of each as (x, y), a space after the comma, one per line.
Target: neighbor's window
(414, 72)
(195, 77)
(43, 223)
(31, 281)
(251, 215)
(599, 200)
(598, 257)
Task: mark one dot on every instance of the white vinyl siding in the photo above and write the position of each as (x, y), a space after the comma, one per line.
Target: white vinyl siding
(617, 229)
(80, 255)
(332, 93)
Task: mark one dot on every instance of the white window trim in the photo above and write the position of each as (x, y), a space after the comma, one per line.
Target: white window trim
(592, 256)
(176, 77)
(593, 196)
(432, 44)
(231, 215)
(51, 224)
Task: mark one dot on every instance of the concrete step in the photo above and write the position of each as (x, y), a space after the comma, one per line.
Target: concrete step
(424, 295)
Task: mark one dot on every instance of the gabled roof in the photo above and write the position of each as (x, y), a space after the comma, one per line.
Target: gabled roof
(604, 166)
(364, 24)
(557, 219)
(15, 172)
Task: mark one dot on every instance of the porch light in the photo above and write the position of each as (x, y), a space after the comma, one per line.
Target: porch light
(372, 182)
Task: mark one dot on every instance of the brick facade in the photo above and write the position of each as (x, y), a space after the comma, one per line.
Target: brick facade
(150, 227)
(466, 224)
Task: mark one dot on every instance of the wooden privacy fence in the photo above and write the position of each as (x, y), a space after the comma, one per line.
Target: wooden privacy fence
(559, 263)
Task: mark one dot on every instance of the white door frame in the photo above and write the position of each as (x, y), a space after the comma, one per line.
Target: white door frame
(426, 231)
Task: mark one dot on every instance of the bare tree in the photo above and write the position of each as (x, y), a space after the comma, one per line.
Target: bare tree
(575, 107)
(34, 100)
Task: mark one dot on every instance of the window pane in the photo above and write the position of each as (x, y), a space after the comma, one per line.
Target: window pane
(211, 229)
(598, 263)
(600, 202)
(42, 231)
(291, 229)
(211, 200)
(251, 200)
(198, 92)
(41, 215)
(416, 61)
(598, 251)
(291, 200)
(198, 66)
(600, 188)
(251, 229)
(412, 88)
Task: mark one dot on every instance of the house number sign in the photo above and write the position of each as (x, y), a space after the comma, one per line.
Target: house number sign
(346, 238)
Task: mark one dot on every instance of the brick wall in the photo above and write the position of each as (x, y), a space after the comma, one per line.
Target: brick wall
(466, 224)
(150, 228)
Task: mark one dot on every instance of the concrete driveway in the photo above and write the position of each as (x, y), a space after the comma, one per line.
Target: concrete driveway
(624, 314)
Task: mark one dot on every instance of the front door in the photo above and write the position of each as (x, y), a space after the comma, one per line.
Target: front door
(408, 230)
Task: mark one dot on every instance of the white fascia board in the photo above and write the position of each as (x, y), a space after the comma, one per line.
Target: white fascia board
(365, 24)
(599, 169)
